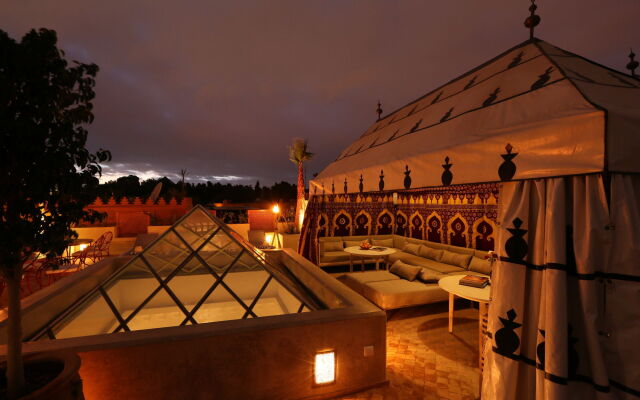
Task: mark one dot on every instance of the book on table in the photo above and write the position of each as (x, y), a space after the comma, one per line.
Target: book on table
(474, 281)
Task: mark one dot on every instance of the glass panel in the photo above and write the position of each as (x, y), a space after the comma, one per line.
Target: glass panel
(160, 312)
(246, 284)
(269, 303)
(289, 303)
(94, 318)
(220, 252)
(196, 227)
(191, 286)
(131, 287)
(220, 306)
(166, 254)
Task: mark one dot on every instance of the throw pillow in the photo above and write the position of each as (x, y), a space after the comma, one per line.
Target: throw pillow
(459, 260)
(382, 242)
(411, 248)
(333, 246)
(480, 265)
(426, 276)
(405, 271)
(432, 254)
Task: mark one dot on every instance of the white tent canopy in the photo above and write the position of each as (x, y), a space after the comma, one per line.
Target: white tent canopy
(558, 113)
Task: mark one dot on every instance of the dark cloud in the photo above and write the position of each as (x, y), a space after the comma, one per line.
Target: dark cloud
(221, 88)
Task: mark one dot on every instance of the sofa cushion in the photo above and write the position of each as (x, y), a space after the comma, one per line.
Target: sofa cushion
(405, 271)
(351, 243)
(398, 241)
(428, 252)
(332, 246)
(456, 259)
(428, 276)
(334, 256)
(435, 245)
(480, 265)
(401, 293)
(423, 262)
(382, 242)
(461, 250)
(411, 248)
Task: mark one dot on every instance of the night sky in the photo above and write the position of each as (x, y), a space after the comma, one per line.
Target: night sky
(221, 88)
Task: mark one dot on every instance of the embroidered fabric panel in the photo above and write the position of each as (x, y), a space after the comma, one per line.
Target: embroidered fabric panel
(463, 215)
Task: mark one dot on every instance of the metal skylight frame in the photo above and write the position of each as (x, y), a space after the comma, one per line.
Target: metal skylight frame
(211, 230)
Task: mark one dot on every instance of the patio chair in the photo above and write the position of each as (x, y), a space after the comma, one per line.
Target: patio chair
(32, 273)
(97, 250)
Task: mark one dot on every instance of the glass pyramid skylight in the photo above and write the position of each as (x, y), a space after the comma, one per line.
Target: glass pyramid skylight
(198, 271)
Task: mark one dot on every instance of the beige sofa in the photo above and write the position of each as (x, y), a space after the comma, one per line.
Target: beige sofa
(388, 291)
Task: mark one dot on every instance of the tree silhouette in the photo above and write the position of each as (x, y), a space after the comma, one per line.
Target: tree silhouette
(47, 176)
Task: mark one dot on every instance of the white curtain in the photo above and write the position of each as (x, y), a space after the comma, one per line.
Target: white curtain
(564, 320)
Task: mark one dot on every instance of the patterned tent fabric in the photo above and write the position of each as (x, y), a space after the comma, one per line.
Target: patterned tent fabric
(462, 215)
(566, 292)
(534, 111)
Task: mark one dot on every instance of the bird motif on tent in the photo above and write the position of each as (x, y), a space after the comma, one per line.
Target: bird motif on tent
(516, 60)
(381, 183)
(416, 126)
(346, 189)
(542, 79)
(471, 82)
(492, 97)
(446, 115)
(437, 98)
(361, 185)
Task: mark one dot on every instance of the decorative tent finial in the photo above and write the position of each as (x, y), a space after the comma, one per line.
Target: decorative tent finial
(532, 20)
(379, 110)
(633, 64)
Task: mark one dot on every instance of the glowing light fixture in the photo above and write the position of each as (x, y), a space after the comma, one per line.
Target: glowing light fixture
(268, 238)
(276, 209)
(324, 370)
(83, 246)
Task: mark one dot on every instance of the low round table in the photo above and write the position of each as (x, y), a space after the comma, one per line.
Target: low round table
(452, 285)
(358, 252)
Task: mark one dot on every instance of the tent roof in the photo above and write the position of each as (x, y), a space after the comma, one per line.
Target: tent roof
(559, 113)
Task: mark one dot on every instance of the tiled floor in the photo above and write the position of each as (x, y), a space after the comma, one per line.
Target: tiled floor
(424, 361)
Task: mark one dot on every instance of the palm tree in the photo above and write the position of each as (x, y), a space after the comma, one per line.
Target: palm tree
(298, 154)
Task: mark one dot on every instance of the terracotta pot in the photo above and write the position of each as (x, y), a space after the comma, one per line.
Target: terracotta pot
(66, 386)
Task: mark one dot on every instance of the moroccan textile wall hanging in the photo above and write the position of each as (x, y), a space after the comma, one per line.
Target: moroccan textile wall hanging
(462, 215)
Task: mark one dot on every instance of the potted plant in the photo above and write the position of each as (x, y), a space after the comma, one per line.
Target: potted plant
(47, 176)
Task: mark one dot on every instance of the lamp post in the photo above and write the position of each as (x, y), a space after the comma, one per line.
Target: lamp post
(276, 237)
